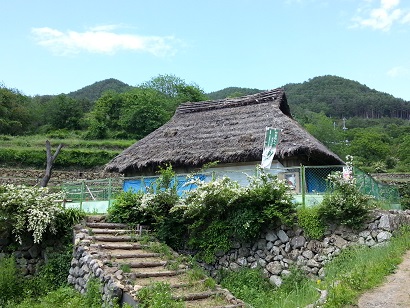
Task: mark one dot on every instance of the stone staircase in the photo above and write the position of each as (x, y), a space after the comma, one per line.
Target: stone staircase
(127, 260)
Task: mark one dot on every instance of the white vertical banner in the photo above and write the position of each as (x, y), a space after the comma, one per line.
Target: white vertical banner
(269, 148)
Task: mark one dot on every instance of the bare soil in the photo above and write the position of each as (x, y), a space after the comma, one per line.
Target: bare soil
(393, 293)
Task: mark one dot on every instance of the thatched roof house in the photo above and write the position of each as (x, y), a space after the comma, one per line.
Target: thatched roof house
(229, 131)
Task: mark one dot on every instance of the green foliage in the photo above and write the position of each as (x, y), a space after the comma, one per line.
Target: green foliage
(153, 208)
(361, 268)
(345, 98)
(404, 190)
(29, 209)
(157, 295)
(221, 211)
(64, 112)
(10, 281)
(53, 274)
(345, 204)
(60, 298)
(67, 218)
(309, 219)
(93, 297)
(232, 92)
(252, 287)
(15, 116)
(142, 112)
(127, 208)
(370, 146)
(97, 89)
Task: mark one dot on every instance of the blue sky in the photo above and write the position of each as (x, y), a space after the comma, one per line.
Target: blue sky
(53, 47)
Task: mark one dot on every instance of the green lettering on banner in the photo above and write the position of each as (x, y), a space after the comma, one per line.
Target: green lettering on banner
(269, 149)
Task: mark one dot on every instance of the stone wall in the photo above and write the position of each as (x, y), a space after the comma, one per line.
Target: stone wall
(32, 177)
(86, 265)
(277, 250)
(29, 256)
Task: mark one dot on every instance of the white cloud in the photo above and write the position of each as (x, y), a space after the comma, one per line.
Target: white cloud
(382, 17)
(398, 71)
(102, 39)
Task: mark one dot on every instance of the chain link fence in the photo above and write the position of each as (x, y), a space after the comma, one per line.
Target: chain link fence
(307, 183)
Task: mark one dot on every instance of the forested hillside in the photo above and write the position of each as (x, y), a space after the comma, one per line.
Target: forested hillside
(339, 97)
(348, 117)
(232, 92)
(94, 91)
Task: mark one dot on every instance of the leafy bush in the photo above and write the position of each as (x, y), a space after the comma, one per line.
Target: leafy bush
(309, 219)
(10, 281)
(29, 209)
(66, 219)
(404, 190)
(345, 204)
(54, 272)
(127, 208)
(221, 211)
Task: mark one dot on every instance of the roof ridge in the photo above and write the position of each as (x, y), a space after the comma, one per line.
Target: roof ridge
(252, 99)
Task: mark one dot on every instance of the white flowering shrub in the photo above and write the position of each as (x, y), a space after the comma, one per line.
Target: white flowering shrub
(221, 211)
(344, 203)
(29, 209)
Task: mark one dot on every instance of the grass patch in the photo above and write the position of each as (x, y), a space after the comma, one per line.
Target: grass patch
(30, 151)
(361, 268)
(157, 295)
(252, 287)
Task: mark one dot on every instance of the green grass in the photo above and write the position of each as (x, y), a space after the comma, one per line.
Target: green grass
(29, 151)
(359, 269)
(250, 286)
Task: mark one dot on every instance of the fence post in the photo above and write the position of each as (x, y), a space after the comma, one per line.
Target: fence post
(303, 186)
(109, 191)
(82, 194)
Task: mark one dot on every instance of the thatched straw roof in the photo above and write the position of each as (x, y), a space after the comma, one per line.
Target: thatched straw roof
(229, 131)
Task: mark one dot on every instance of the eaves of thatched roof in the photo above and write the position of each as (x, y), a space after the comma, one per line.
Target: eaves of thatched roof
(228, 131)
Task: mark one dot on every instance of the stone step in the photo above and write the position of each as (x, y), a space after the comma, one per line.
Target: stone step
(133, 255)
(114, 238)
(230, 306)
(165, 273)
(106, 225)
(112, 231)
(121, 246)
(144, 264)
(195, 296)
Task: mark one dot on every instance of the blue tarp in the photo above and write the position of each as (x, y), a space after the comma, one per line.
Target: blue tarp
(143, 184)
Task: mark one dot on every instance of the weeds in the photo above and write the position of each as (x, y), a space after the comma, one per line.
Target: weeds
(157, 295)
(361, 268)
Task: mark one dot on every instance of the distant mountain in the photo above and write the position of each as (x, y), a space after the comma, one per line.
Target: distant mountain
(94, 91)
(340, 97)
(335, 96)
(232, 92)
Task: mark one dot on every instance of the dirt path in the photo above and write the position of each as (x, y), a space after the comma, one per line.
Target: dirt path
(394, 293)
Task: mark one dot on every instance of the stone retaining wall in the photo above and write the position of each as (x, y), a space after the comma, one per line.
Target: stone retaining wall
(29, 256)
(277, 250)
(32, 177)
(86, 265)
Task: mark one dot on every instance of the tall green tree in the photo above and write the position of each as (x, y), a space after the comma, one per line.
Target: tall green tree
(142, 112)
(369, 145)
(105, 115)
(64, 112)
(14, 112)
(176, 90)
